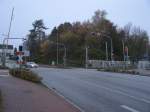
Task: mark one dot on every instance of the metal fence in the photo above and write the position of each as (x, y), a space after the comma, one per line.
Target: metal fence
(144, 65)
(107, 64)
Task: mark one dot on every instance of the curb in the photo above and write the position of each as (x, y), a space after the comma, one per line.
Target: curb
(62, 96)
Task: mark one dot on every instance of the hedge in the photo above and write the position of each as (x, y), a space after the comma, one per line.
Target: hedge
(26, 75)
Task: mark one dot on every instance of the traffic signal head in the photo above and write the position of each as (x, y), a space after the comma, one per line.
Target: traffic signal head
(20, 48)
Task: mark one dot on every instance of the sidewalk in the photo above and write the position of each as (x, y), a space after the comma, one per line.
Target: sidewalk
(22, 96)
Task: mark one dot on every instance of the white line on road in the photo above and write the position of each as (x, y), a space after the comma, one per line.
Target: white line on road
(129, 108)
(126, 94)
(118, 91)
(4, 75)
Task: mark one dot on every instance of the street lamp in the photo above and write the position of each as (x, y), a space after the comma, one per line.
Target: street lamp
(111, 42)
(146, 46)
(102, 33)
(123, 46)
(99, 34)
(86, 53)
(65, 52)
(5, 48)
(86, 58)
(106, 44)
(57, 48)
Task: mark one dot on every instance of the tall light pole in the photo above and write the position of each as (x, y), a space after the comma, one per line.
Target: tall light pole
(111, 42)
(8, 35)
(106, 44)
(57, 49)
(123, 49)
(146, 47)
(3, 50)
(86, 58)
(111, 49)
(65, 52)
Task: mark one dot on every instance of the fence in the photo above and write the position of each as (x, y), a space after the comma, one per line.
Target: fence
(106, 64)
(144, 65)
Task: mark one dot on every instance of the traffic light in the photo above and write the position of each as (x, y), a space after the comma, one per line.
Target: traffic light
(20, 48)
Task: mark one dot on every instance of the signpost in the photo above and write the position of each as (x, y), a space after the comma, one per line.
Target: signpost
(20, 55)
(126, 53)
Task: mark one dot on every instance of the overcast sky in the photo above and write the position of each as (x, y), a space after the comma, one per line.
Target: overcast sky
(54, 12)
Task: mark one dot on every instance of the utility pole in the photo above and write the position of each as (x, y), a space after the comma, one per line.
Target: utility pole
(8, 36)
(57, 48)
(111, 42)
(123, 45)
(86, 59)
(106, 51)
(3, 51)
(65, 55)
(111, 49)
(147, 46)
(12, 14)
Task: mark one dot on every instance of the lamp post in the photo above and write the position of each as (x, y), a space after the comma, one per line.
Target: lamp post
(57, 49)
(111, 42)
(106, 44)
(65, 52)
(146, 47)
(86, 58)
(111, 49)
(123, 46)
(4, 50)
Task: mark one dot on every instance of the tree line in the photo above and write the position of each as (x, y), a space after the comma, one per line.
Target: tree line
(93, 33)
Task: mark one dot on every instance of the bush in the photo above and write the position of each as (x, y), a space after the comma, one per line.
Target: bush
(118, 70)
(25, 74)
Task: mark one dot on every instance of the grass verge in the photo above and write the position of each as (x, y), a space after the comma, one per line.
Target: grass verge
(118, 70)
(26, 75)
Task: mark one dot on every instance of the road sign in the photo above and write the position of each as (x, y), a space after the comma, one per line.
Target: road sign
(20, 57)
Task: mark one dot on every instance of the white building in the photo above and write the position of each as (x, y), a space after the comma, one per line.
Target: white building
(9, 51)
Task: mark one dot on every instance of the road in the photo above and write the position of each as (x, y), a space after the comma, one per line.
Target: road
(95, 91)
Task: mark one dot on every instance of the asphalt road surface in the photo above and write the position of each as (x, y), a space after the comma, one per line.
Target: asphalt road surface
(95, 91)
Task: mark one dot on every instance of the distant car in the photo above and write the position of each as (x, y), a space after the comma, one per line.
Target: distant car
(31, 65)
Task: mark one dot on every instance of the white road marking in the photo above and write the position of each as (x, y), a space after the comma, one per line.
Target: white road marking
(129, 108)
(4, 72)
(125, 94)
(118, 91)
(4, 75)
